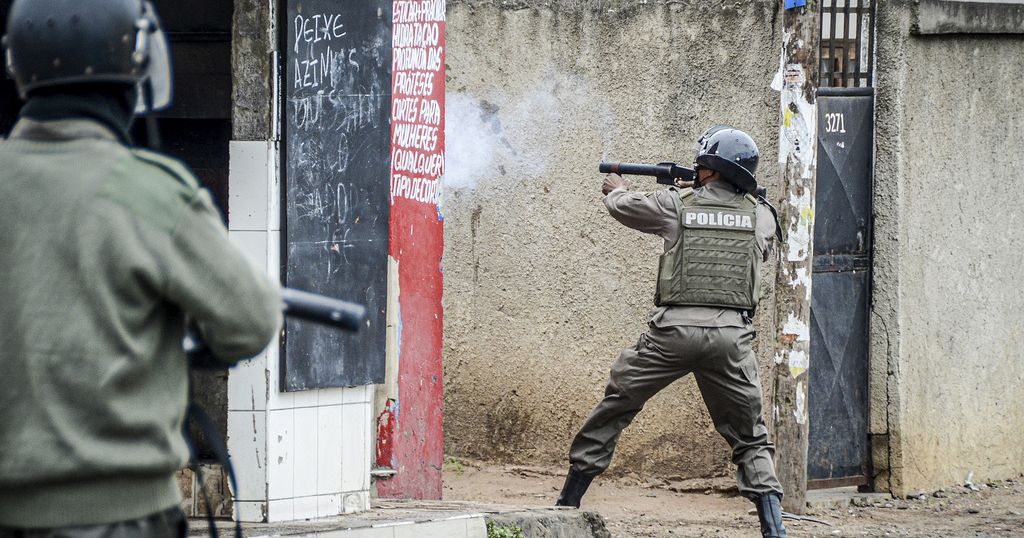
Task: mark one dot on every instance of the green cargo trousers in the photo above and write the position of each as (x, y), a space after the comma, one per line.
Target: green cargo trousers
(725, 367)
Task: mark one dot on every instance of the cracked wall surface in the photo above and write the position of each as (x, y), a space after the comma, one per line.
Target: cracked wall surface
(542, 287)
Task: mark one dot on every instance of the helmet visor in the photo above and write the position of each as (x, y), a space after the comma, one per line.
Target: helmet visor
(157, 84)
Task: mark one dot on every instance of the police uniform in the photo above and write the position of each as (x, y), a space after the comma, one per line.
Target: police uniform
(711, 342)
(107, 250)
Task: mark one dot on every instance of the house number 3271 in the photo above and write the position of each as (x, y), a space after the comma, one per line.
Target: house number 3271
(835, 123)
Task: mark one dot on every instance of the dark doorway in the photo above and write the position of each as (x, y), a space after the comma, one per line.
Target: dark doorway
(839, 451)
(197, 130)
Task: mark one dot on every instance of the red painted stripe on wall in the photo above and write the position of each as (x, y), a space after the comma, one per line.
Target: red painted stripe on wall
(413, 441)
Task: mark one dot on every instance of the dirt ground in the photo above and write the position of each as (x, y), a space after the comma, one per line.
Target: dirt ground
(712, 508)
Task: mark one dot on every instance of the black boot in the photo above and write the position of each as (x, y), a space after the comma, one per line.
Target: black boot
(576, 484)
(769, 512)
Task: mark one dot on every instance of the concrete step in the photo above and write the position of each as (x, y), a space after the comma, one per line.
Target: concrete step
(824, 499)
(428, 519)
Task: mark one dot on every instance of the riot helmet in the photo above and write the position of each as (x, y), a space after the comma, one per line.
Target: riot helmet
(54, 43)
(731, 153)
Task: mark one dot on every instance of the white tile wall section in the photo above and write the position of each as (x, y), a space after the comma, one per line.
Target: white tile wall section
(247, 385)
(280, 454)
(305, 447)
(247, 446)
(254, 244)
(305, 507)
(328, 505)
(362, 394)
(248, 176)
(355, 502)
(334, 396)
(274, 255)
(273, 188)
(250, 511)
(275, 398)
(306, 398)
(280, 510)
(328, 456)
(355, 463)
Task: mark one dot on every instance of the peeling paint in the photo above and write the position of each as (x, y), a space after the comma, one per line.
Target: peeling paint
(798, 363)
(800, 411)
(385, 435)
(799, 116)
(803, 278)
(798, 240)
(795, 326)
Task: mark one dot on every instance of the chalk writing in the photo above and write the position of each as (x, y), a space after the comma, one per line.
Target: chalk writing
(336, 143)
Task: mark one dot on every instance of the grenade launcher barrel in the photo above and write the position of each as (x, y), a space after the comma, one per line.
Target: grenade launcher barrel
(297, 304)
(323, 310)
(665, 173)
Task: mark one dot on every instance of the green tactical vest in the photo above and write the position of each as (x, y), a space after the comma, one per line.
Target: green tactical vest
(716, 260)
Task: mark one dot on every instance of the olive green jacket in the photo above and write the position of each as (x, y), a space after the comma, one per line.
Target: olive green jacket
(104, 250)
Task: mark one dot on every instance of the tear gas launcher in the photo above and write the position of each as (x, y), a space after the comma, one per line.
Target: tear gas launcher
(303, 305)
(664, 173)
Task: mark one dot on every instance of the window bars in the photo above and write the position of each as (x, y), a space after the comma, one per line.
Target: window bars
(847, 43)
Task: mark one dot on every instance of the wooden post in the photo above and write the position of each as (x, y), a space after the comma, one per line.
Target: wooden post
(798, 145)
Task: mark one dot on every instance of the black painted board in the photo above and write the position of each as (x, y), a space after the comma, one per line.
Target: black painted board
(337, 82)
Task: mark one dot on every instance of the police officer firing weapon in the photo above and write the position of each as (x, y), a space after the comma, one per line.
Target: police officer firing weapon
(717, 235)
(107, 251)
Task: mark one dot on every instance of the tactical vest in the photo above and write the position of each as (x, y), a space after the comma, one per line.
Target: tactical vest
(716, 260)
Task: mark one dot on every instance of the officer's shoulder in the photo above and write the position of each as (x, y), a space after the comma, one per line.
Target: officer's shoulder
(155, 188)
(682, 194)
(169, 166)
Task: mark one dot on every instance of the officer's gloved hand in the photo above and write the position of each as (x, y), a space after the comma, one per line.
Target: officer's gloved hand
(613, 181)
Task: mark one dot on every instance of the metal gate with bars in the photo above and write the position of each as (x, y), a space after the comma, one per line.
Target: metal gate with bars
(839, 451)
(847, 43)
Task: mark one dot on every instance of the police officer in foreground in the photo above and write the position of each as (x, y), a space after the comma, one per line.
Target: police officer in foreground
(106, 250)
(709, 279)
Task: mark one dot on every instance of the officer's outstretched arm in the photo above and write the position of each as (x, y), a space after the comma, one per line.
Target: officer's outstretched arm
(647, 212)
(236, 307)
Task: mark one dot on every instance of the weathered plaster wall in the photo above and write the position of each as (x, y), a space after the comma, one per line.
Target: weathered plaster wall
(951, 122)
(542, 287)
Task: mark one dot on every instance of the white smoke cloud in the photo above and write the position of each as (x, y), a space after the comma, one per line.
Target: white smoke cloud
(514, 135)
(471, 141)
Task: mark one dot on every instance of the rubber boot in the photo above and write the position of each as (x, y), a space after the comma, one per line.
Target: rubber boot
(576, 484)
(769, 513)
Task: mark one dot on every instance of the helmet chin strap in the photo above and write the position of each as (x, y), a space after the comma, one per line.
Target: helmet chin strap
(152, 129)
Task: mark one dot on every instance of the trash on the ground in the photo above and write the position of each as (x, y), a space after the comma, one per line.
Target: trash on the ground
(794, 517)
(969, 482)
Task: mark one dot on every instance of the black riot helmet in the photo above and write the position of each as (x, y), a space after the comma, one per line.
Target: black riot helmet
(731, 153)
(54, 43)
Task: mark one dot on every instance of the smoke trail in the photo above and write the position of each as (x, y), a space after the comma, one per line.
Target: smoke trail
(471, 139)
(484, 139)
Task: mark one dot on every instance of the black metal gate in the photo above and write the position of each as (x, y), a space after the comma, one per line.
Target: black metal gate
(839, 450)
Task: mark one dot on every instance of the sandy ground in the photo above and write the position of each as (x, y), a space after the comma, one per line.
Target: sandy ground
(711, 507)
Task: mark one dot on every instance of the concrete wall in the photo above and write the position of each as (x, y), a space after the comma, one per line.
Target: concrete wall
(542, 288)
(948, 317)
